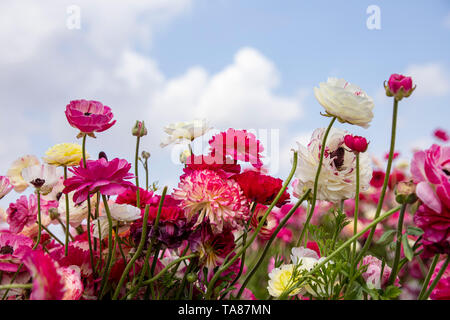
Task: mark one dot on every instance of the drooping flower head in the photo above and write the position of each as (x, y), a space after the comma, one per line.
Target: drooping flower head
(89, 116)
(261, 188)
(15, 171)
(5, 186)
(185, 131)
(64, 154)
(345, 101)
(337, 178)
(107, 177)
(239, 145)
(205, 196)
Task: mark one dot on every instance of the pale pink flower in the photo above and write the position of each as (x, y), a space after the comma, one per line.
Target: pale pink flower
(5, 186)
(73, 286)
(373, 276)
(204, 195)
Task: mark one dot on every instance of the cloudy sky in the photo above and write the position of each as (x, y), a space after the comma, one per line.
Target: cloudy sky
(243, 64)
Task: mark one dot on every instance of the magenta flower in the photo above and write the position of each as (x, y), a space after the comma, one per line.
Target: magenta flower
(107, 177)
(22, 213)
(399, 86)
(12, 248)
(442, 289)
(430, 169)
(5, 186)
(48, 284)
(356, 143)
(89, 116)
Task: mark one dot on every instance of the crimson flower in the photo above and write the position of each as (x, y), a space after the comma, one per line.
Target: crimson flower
(107, 177)
(356, 143)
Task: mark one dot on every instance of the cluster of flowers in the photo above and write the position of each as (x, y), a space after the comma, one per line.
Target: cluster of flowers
(123, 241)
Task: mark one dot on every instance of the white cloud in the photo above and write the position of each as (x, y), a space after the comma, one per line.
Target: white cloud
(431, 78)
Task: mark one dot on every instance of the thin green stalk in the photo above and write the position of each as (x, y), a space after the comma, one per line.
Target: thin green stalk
(38, 193)
(110, 248)
(355, 214)
(398, 247)
(63, 226)
(255, 234)
(136, 172)
(163, 271)
(428, 277)
(437, 278)
(344, 245)
(385, 184)
(52, 235)
(146, 174)
(16, 286)
(316, 182)
(66, 246)
(269, 243)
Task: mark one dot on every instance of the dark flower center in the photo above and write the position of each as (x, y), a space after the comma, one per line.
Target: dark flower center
(7, 250)
(87, 114)
(338, 156)
(38, 182)
(446, 171)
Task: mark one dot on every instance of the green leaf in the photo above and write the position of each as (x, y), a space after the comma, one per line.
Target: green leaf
(391, 292)
(414, 231)
(387, 237)
(407, 248)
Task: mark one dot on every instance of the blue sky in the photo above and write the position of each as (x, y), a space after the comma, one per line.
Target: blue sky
(244, 64)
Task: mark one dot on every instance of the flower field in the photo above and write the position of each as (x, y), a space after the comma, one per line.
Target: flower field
(340, 226)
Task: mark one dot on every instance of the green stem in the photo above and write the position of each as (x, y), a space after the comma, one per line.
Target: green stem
(428, 277)
(38, 193)
(16, 286)
(163, 271)
(355, 215)
(344, 245)
(52, 235)
(269, 243)
(386, 181)
(66, 248)
(398, 247)
(437, 278)
(255, 234)
(110, 248)
(136, 172)
(316, 182)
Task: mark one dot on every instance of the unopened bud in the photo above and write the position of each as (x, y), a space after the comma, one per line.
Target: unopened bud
(191, 277)
(406, 192)
(185, 155)
(145, 154)
(139, 129)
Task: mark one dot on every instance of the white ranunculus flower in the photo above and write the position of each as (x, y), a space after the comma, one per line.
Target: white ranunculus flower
(124, 212)
(77, 212)
(101, 223)
(185, 131)
(345, 101)
(337, 178)
(41, 176)
(282, 279)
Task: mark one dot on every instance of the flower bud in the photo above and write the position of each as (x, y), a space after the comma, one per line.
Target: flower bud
(54, 214)
(145, 154)
(139, 129)
(191, 277)
(399, 86)
(356, 143)
(185, 155)
(406, 192)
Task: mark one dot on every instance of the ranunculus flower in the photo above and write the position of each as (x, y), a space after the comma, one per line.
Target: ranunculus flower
(129, 196)
(64, 154)
(345, 101)
(239, 145)
(89, 116)
(430, 169)
(5, 186)
(223, 166)
(395, 177)
(282, 279)
(41, 176)
(442, 289)
(377, 178)
(12, 248)
(77, 212)
(399, 86)
(121, 215)
(107, 177)
(15, 171)
(356, 143)
(441, 135)
(337, 178)
(205, 196)
(269, 225)
(374, 278)
(185, 131)
(261, 188)
(22, 213)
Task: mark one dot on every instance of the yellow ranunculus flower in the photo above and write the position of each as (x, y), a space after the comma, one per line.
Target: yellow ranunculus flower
(64, 154)
(282, 279)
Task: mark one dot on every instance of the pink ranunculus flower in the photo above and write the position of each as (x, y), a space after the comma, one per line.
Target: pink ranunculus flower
(373, 276)
(107, 177)
(12, 248)
(22, 213)
(73, 286)
(442, 289)
(239, 144)
(48, 283)
(356, 143)
(5, 186)
(399, 86)
(430, 169)
(89, 116)
(205, 195)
